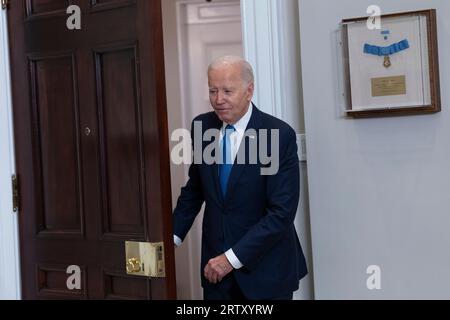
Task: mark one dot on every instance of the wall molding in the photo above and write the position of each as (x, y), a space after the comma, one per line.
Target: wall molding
(262, 48)
(10, 281)
(271, 37)
(198, 13)
(272, 46)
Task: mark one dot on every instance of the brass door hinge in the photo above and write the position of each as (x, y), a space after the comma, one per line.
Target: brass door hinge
(15, 193)
(5, 4)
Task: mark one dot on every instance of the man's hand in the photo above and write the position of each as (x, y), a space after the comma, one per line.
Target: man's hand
(217, 269)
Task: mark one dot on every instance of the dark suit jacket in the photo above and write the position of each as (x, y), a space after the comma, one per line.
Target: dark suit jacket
(256, 218)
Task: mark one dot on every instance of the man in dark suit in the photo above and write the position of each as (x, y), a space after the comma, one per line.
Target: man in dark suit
(250, 249)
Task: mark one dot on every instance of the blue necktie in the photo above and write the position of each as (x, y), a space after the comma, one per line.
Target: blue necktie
(227, 162)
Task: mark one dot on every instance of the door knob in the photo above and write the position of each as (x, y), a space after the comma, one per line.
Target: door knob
(133, 265)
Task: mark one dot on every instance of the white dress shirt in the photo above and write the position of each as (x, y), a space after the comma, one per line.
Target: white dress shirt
(236, 136)
(236, 139)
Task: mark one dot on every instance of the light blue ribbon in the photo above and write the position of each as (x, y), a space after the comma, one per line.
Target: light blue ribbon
(386, 51)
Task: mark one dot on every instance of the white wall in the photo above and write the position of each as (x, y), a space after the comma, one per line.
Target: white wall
(379, 188)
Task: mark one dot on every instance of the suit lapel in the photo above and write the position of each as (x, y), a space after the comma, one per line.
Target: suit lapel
(238, 169)
(214, 168)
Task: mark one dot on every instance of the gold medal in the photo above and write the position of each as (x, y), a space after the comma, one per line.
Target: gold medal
(386, 52)
(387, 62)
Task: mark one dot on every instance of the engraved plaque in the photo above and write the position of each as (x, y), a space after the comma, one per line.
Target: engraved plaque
(388, 86)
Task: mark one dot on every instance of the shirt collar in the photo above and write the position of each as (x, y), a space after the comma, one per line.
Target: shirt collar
(242, 124)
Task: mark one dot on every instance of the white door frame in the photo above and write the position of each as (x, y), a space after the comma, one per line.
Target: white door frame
(10, 280)
(271, 40)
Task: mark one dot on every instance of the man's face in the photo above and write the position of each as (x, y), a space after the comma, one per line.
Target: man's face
(230, 96)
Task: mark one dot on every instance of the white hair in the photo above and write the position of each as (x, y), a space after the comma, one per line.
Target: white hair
(246, 68)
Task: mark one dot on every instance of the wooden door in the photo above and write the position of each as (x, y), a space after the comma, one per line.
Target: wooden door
(91, 145)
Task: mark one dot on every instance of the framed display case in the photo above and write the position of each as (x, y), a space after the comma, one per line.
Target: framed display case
(394, 70)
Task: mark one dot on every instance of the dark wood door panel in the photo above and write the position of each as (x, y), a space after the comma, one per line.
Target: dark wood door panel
(102, 5)
(46, 7)
(101, 28)
(121, 141)
(118, 286)
(55, 115)
(51, 282)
